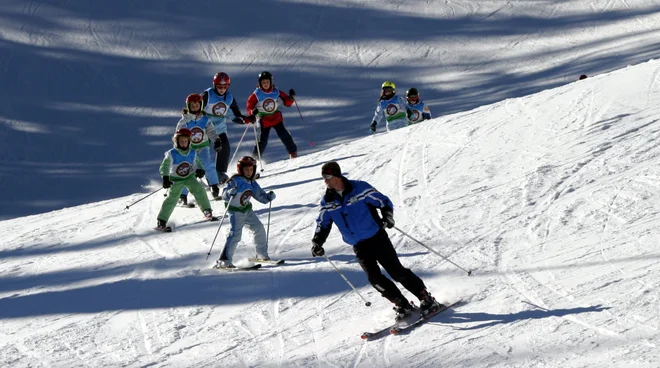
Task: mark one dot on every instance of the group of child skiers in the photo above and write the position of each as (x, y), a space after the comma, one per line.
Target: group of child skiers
(204, 124)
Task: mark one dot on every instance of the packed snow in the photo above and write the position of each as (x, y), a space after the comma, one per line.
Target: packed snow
(544, 186)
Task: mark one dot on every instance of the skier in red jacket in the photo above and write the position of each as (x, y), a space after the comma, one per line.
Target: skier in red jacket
(264, 104)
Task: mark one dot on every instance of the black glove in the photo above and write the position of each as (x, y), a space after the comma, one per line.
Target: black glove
(409, 113)
(317, 250)
(217, 145)
(373, 127)
(292, 93)
(199, 173)
(255, 111)
(166, 182)
(388, 217)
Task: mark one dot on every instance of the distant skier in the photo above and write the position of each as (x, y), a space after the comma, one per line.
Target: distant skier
(220, 105)
(351, 205)
(417, 110)
(203, 133)
(179, 169)
(263, 102)
(237, 193)
(391, 108)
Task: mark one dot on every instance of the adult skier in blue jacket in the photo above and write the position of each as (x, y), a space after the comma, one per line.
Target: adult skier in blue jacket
(351, 205)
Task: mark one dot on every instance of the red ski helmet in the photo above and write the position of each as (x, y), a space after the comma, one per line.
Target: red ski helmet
(221, 78)
(244, 162)
(183, 132)
(195, 97)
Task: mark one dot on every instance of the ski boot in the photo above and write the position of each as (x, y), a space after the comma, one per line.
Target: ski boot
(293, 155)
(261, 259)
(428, 304)
(224, 263)
(183, 199)
(162, 226)
(208, 214)
(403, 309)
(215, 191)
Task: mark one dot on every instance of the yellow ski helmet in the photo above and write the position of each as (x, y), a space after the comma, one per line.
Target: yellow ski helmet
(389, 84)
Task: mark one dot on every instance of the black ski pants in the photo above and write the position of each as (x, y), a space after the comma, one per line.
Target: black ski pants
(284, 135)
(222, 157)
(379, 250)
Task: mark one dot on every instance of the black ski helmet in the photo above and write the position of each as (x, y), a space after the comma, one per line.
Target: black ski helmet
(413, 92)
(244, 162)
(265, 75)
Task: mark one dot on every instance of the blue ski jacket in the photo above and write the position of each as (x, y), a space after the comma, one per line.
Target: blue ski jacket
(354, 212)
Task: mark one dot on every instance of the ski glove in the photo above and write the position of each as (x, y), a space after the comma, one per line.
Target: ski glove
(250, 119)
(373, 127)
(317, 250)
(388, 217)
(271, 196)
(166, 182)
(232, 192)
(217, 146)
(292, 93)
(199, 173)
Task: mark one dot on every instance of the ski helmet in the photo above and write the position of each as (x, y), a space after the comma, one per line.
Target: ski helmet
(183, 132)
(244, 162)
(194, 97)
(412, 94)
(265, 75)
(221, 78)
(388, 84)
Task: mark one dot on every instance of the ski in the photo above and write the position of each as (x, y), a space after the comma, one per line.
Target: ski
(271, 261)
(385, 331)
(236, 269)
(166, 229)
(398, 328)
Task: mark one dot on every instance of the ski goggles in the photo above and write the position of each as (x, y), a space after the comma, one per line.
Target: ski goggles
(327, 176)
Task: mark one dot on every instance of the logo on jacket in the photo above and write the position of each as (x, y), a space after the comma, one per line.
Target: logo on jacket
(391, 109)
(415, 115)
(219, 109)
(245, 197)
(197, 135)
(183, 169)
(269, 105)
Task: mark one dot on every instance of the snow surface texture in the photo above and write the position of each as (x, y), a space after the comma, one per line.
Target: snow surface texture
(552, 199)
(91, 90)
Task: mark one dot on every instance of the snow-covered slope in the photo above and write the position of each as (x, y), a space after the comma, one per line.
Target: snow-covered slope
(552, 199)
(90, 90)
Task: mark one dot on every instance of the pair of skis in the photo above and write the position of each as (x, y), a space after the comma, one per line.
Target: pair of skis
(399, 326)
(254, 267)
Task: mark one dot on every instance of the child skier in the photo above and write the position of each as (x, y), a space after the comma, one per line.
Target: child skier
(203, 132)
(417, 109)
(220, 106)
(263, 102)
(237, 193)
(390, 107)
(180, 168)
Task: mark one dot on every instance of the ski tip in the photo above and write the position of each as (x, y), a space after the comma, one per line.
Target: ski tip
(394, 331)
(364, 336)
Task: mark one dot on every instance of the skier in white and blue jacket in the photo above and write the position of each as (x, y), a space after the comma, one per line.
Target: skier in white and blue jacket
(238, 191)
(221, 106)
(391, 108)
(417, 111)
(352, 206)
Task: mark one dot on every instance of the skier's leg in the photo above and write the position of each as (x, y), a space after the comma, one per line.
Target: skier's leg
(198, 192)
(170, 202)
(388, 258)
(263, 142)
(366, 254)
(222, 158)
(236, 222)
(254, 224)
(209, 165)
(286, 138)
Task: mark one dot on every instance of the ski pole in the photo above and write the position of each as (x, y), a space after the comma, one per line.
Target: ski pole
(219, 226)
(270, 205)
(469, 273)
(367, 303)
(154, 192)
(309, 136)
(239, 144)
(256, 139)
